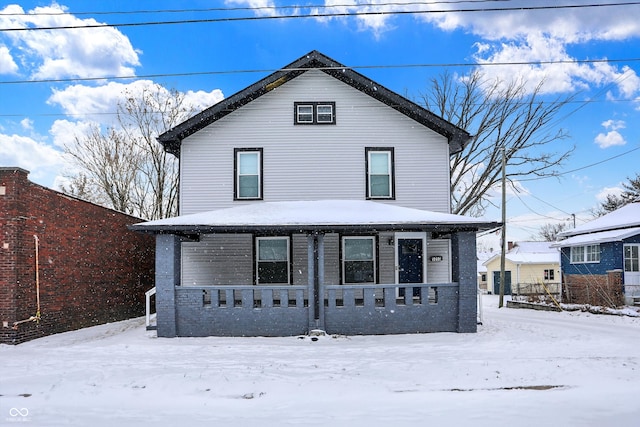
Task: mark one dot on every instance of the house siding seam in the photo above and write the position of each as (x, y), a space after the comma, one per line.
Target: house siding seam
(91, 268)
(291, 152)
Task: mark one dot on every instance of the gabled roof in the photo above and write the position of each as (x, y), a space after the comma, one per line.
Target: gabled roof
(458, 138)
(313, 215)
(627, 216)
(531, 253)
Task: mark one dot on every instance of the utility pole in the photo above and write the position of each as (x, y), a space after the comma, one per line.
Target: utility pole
(503, 239)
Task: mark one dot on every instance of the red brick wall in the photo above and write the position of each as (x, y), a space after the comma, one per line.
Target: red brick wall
(595, 289)
(92, 269)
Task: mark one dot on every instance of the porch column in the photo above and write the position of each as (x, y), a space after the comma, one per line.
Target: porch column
(464, 271)
(315, 268)
(167, 277)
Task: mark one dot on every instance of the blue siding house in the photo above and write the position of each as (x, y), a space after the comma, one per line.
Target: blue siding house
(315, 199)
(601, 258)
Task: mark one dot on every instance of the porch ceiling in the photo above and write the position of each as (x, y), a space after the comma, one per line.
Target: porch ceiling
(319, 215)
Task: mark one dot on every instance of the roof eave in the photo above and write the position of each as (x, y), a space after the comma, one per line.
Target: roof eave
(311, 228)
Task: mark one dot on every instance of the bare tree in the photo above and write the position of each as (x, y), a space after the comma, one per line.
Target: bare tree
(124, 167)
(549, 232)
(503, 118)
(630, 194)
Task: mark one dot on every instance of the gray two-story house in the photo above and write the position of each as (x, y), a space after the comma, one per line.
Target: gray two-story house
(315, 199)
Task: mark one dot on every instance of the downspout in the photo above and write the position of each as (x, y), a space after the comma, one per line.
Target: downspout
(35, 318)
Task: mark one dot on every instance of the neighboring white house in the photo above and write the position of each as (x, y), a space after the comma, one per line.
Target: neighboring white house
(315, 198)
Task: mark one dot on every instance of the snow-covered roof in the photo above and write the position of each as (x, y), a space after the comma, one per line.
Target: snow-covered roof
(600, 237)
(532, 248)
(531, 258)
(531, 253)
(313, 215)
(625, 217)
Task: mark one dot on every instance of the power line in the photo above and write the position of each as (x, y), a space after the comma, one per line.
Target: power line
(356, 67)
(582, 167)
(247, 8)
(323, 15)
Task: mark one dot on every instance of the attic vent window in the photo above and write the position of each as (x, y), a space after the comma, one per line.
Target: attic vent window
(315, 113)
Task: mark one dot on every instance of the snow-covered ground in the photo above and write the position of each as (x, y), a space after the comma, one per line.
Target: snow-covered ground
(523, 367)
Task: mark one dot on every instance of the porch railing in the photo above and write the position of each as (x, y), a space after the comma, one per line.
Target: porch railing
(147, 303)
(233, 310)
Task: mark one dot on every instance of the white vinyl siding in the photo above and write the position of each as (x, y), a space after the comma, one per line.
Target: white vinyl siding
(218, 259)
(314, 162)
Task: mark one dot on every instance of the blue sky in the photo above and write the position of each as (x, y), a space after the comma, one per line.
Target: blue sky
(37, 118)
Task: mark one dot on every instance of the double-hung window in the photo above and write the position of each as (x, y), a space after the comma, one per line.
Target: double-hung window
(585, 254)
(358, 259)
(248, 174)
(380, 171)
(632, 258)
(549, 274)
(314, 113)
(272, 260)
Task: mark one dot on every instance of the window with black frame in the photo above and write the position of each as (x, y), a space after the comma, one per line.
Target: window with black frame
(272, 260)
(358, 259)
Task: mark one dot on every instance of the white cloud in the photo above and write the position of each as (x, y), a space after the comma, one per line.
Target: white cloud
(7, 64)
(94, 52)
(39, 158)
(201, 99)
(26, 124)
(100, 103)
(64, 132)
(368, 14)
(601, 196)
(261, 7)
(543, 36)
(609, 139)
(614, 124)
(575, 25)
(613, 137)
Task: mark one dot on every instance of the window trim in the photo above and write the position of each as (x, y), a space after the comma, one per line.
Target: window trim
(257, 258)
(237, 152)
(392, 173)
(586, 257)
(314, 113)
(374, 254)
(631, 261)
(549, 274)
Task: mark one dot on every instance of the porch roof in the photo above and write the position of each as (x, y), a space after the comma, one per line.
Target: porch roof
(318, 215)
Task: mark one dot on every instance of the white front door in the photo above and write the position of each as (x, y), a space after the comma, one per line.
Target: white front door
(632, 269)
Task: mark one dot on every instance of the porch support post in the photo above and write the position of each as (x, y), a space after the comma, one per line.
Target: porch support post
(315, 262)
(311, 279)
(167, 278)
(320, 281)
(464, 271)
